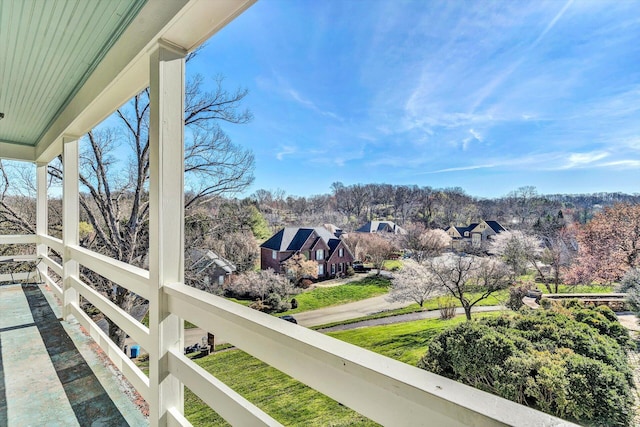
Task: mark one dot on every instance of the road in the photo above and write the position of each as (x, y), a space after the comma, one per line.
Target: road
(347, 311)
(322, 316)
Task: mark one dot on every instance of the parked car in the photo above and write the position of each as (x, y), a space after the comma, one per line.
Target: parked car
(289, 318)
(359, 267)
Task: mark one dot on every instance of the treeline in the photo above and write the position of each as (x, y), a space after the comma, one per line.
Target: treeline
(349, 206)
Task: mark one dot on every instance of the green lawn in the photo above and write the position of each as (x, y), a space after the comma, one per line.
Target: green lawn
(431, 304)
(579, 289)
(293, 403)
(392, 264)
(285, 399)
(368, 287)
(406, 342)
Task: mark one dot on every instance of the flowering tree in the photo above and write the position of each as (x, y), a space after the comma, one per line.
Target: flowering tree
(258, 284)
(469, 278)
(413, 282)
(298, 267)
(517, 249)
(548, 255)
(608, 245)
(423, 242)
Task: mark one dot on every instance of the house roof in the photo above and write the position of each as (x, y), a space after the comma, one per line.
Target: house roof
(496, 226)
(204, 259)
(381, 226)
(293, 238)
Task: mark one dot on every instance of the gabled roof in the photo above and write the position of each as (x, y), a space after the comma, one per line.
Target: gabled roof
(294, 238)
(496, 226)
(204, 259)
(381, 226)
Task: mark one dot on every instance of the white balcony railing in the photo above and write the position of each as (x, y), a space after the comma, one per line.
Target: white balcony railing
(384, 390)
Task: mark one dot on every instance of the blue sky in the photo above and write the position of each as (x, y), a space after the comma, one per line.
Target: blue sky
(488, 96)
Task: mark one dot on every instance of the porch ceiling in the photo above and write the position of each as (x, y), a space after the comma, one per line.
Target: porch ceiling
(65, 65)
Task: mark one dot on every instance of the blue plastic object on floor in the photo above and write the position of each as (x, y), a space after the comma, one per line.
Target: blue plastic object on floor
(135, 349)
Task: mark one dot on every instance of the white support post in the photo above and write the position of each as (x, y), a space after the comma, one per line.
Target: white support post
(42, 214)
(166, 224)
(70, 220)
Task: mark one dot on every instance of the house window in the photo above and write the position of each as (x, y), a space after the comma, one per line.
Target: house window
(320, 254)
(320, 269)
(274, 254)
(466, 234)
(341, 252)
(221, 280)
(333, 269)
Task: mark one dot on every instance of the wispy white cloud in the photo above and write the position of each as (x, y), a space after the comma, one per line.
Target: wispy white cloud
(580, 160)
(463, 168)
(295, 95)
(286, 150)
(622, 164)
(458, 87)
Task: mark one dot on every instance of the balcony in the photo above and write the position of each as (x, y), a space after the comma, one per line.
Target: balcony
(147, 47)
(387, 391)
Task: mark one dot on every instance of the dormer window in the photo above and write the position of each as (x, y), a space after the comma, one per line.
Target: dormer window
(466, 234)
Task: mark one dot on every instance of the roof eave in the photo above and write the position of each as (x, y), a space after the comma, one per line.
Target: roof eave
(124, 71)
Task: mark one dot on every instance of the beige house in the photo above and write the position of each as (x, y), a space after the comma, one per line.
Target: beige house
(474, 234)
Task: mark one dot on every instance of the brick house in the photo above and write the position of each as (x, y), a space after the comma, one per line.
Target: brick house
(315, 243)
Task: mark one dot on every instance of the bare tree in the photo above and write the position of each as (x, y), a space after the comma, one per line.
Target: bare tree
(468, 278)
(371, 248)
(17, 204)
(413, 282)
(116, 204)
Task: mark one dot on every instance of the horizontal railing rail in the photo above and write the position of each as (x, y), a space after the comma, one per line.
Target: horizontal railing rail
(221, 398)
(52, 242)
(130, 277)
(17, 239)
(124, 320)
(57, 290)
(6, 277)
(126, 275)
(385, 390)
(52, 264)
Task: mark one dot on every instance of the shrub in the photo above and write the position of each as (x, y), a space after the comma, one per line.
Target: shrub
(275, 303)
(557, 361)
(447, 307)
(630, 284)
(350, 271)
(305, 283)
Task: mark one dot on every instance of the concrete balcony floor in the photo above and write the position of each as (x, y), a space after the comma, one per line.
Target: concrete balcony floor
(50, 373)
